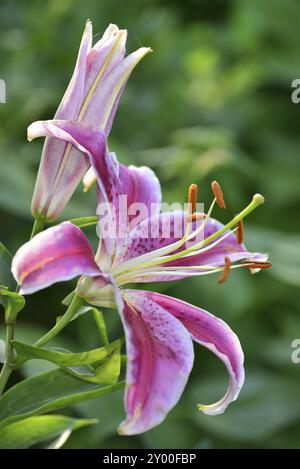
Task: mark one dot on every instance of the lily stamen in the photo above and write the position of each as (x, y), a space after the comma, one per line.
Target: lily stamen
(196, 216)
(218, 193)
(224, 275)
(195, 270)
(257, 200)
(257, 264)
(192, 198)
(154, 258)
(240, 232)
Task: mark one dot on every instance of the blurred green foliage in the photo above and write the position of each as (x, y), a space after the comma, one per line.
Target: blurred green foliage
(212, 102)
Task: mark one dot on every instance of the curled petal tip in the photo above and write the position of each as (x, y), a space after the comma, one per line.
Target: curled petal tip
(29, 134)
(207, 409)
(122, 430)
(34, 130)
(143, 51)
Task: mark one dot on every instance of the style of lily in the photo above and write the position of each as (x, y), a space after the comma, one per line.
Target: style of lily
(159, 329)
(92, 97)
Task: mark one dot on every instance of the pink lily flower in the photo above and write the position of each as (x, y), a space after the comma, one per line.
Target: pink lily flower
(159, 329)
(92, 97)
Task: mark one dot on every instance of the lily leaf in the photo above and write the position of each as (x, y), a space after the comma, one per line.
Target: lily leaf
(68, 299)
(6, 277)
(34, 430)
(106, 360)
(17, 301)
(47, 392)
(28, 352)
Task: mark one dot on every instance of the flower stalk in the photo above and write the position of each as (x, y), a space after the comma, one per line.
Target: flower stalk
(9, 351)
(76, 303)
(38, 226)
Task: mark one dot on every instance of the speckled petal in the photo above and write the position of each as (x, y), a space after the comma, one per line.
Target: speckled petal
(216, 336)
(160, 358)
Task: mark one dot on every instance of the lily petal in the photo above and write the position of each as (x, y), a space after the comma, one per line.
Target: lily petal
(160, 358)
(216, 336)
(108, 52)
(71, 102)
(59, 253)
(107, 96)
(90, 141)
(87, 139)
(142, 189)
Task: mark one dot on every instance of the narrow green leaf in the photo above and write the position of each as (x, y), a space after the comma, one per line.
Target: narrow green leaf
(17, 301)
(6, 277)
(33, 430)
(27, 352)
(101, 326)
(47, 392)
(68, 299)
(108, 371)
(106, 361)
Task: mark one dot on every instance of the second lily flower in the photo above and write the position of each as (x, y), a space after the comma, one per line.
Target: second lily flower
(92, 97)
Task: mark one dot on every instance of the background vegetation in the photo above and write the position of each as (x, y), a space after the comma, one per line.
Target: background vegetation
(212, 102)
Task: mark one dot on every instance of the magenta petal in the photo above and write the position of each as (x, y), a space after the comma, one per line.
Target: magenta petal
(130, 192)
(154, 233)
(58, 253)
(107, 96)
(87, 139)
(108, 52)
(89, 143)
(141, 186)
(216, 336)
(142, 189)
(160, 358)
(72, 100)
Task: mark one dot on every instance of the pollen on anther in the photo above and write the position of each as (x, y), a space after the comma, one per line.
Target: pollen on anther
(195, 216)
(192, 198)
(257, 264)
(218, 193)
(224, 275)
(240, 232)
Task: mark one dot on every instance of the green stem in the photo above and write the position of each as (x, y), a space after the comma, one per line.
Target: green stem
(100, 323)
(84, 222)
(9, 356)
(37, 227)
(76, 303)
(9, 350)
